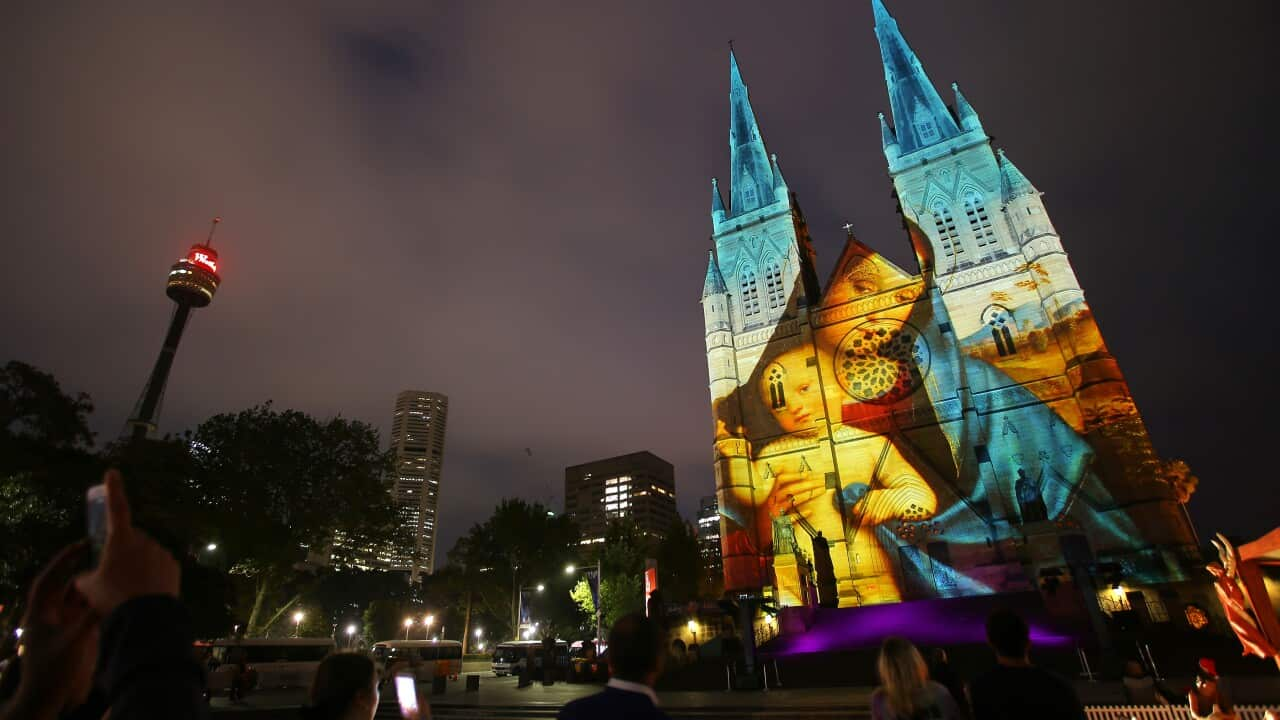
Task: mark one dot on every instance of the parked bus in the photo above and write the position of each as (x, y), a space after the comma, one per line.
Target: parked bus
(509, 658)
(262, 662)
(426, 659)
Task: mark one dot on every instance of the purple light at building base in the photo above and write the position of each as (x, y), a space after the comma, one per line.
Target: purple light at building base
(942, 622)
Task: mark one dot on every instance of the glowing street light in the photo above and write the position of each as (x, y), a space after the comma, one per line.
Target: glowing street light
(297, 622)
(479, 632)
(693, 630)
(427, 622)
(351, 636)
(541, 587)
(570, 569)
(211, 547)
(408, 623)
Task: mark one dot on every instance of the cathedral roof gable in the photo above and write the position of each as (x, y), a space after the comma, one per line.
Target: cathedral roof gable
(862, 271)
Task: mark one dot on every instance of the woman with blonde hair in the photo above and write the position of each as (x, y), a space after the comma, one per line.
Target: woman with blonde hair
(906, 692)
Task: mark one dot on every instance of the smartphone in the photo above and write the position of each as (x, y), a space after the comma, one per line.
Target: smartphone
(95, 500)
(407, 695)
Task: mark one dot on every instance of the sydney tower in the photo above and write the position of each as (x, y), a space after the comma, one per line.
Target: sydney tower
(192, 282)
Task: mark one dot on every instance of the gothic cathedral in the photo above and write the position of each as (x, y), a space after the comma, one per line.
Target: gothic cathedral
(962, 430)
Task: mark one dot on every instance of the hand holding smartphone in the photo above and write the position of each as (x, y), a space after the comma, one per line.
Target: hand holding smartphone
(407, 696)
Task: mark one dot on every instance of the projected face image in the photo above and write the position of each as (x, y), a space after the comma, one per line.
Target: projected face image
(791, 391)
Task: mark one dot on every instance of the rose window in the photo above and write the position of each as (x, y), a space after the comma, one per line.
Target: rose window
(881, 361)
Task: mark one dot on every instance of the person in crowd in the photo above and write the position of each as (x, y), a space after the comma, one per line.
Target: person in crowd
(120, 623)
(1139, 686)
(906, 692)
(1015, 688)
(345, 688)
(637, 646)
(941, 672)
(1207, 698)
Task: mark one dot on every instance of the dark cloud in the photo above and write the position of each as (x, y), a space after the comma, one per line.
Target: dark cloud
(508, 203)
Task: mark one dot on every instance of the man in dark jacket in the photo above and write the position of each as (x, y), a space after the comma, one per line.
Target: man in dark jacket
(636, 649)
(1015, 689)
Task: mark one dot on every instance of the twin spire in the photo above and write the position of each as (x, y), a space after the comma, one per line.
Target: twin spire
(756, 180)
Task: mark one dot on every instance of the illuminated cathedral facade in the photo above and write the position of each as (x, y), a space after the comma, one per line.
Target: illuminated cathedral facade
(959, 430)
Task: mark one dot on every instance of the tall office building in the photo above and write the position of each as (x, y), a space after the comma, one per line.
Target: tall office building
(709, 537)
(640, 486)
(417, 439)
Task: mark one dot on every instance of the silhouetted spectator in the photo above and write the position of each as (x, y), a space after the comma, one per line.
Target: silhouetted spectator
(345, 688)
(1015, 689)
(906, 692)
(941, 672)
(1139, 687)
(637, 647)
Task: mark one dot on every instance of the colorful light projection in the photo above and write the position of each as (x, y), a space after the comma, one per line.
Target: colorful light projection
(935, 464)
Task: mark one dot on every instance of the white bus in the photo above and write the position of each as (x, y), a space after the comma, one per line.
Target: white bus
(289, 662)
(509, 658)
(426, 659)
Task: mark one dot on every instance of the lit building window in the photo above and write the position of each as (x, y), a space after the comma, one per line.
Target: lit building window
(777, 393)
(1000, 322)
(979, 221)
(1196, 617)
(773, 285)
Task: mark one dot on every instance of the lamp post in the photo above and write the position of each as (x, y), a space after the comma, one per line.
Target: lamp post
(297, 622)
(693, 630)
(351, 636)
(211, 547)
(520, 605)
(427, 622)
(408, 623)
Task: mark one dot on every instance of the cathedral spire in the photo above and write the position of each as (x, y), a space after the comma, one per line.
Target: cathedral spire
(969, 119)
(1012, 182)
(714, 284)
(779, 184)
(717, 203)
(919, 115)
(752, 180)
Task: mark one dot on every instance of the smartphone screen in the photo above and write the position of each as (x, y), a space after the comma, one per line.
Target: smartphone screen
(96, 519)
(407, 695)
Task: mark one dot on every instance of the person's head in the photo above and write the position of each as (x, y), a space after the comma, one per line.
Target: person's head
(902, 673)
(345, 688)
(1008, 635)
(789, 388)
(636, 649)
(938, 657)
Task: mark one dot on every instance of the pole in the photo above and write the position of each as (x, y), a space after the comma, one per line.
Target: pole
(146, 417)
(599, 603)
(466, 625)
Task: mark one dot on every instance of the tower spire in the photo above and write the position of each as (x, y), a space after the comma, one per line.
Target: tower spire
(968, 117)
(1012, 182)
(717, 203)
(919, 115)
(714, 284)
(752, 180)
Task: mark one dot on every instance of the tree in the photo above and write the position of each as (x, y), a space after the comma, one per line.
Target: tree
(679, 563)
(519, 544)
(1179, 476)
(279, 485)
(45, 467)
(621, 557)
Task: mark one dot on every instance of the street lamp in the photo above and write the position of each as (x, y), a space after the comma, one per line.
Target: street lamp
(297, 622)
(351, 640)
(211, 547)
(520, 604)
(541, 587)
(693, 630)
(408, 623)
(427, 622)
(569, 569)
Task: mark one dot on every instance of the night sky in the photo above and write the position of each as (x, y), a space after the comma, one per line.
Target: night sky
(509, 203)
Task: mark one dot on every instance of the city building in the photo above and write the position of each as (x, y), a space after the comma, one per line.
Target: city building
(709, 537)
(640, 487)
(417, 441)
(957, 430)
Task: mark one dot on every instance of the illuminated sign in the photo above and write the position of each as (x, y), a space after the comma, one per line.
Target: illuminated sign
(204, 257)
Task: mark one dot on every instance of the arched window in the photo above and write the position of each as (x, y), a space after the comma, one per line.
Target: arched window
(777, 394)
(1000, 322)
(750, 293)
(948, 237)
(979, 222)
(773, 285)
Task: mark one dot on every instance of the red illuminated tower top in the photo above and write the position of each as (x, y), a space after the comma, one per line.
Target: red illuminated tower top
(192, 282)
